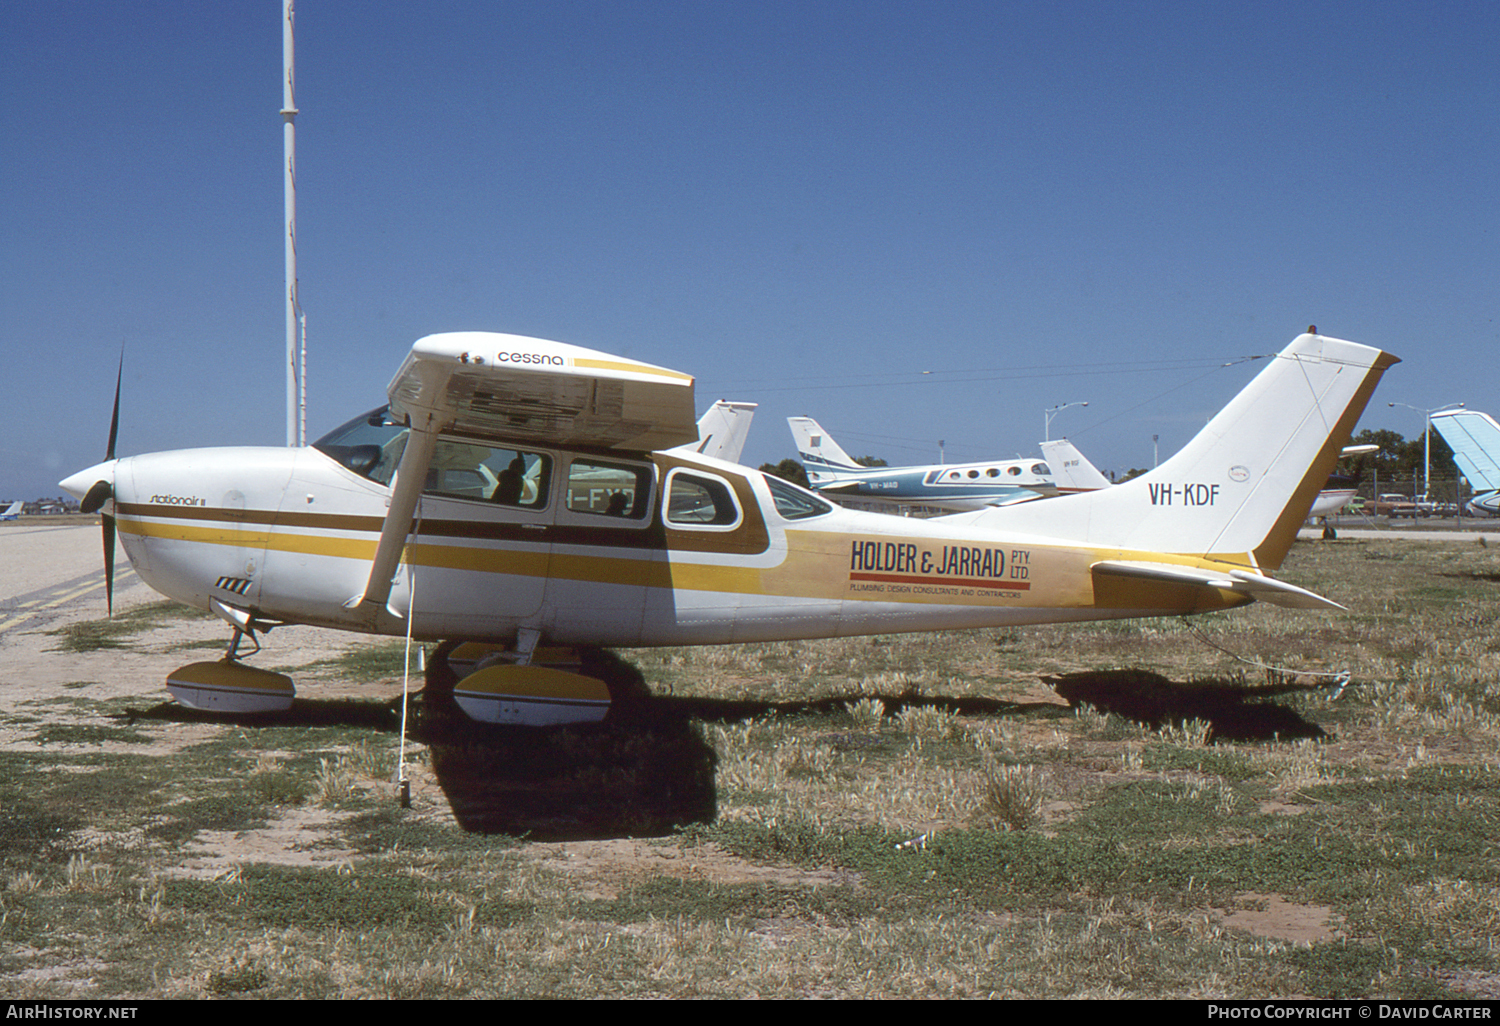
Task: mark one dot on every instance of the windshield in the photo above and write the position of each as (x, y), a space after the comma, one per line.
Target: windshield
(370, 445)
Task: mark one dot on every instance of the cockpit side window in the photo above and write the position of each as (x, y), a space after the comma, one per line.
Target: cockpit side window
(462, 469)
(370, 445)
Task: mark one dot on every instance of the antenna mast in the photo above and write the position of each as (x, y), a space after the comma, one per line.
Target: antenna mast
(296, 369)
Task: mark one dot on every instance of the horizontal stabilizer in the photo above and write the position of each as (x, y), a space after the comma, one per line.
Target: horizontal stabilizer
(1243, 582)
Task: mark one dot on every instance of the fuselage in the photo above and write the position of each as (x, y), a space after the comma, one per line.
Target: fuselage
(591, 548)
(966, 486)
(519, 490)
(1486, 504)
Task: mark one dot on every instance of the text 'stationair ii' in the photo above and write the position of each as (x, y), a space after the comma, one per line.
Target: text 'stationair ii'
(539, 496)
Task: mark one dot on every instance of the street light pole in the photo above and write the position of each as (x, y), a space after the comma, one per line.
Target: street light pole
(296, 383)
(1049, 414)
(1427, 442)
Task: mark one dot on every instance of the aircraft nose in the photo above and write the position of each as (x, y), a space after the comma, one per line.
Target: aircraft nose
(78, 485)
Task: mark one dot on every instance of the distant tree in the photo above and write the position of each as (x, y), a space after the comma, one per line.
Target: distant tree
(871, 461)
(1398, 458)
(1133, 472)
(1390, 462)
(787, 470)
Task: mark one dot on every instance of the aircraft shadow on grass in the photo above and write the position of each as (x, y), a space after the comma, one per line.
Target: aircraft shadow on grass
(646, 770)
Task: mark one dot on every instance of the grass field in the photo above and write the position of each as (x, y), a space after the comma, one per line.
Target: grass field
(905, 816)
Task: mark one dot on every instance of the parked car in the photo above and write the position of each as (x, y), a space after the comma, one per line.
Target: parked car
(1395, 506)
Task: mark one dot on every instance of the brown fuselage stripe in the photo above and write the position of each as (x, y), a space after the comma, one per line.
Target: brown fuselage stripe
(643, 536)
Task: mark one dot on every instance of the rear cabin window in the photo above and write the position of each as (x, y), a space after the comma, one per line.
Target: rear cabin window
(609, 489)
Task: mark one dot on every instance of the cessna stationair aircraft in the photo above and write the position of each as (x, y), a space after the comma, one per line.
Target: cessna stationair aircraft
(537, 496)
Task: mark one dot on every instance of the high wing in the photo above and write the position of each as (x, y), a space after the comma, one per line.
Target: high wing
(529, 390)
(522, 389)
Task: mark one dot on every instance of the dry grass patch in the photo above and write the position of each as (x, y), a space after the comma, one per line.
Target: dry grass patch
(910, 816)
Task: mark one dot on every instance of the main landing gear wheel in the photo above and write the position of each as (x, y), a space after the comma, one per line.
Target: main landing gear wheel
(558, 686)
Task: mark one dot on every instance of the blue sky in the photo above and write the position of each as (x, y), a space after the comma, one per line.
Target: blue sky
(806, 205)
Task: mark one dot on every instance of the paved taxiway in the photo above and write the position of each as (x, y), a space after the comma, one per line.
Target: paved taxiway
(50, 565)
(1465, 534)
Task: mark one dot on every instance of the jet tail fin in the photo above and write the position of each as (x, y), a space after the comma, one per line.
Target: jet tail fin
(1071, 470)
(1242, 487)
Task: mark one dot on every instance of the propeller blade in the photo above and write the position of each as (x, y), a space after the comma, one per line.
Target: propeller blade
(101, 492)
(109, 563)
(114, 420)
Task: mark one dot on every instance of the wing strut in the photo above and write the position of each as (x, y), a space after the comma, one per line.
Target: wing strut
(411, 474)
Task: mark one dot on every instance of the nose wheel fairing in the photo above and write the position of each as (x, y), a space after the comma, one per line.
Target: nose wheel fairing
(226, 686)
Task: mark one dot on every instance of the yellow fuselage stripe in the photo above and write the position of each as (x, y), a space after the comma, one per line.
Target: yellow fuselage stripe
(1063, 580)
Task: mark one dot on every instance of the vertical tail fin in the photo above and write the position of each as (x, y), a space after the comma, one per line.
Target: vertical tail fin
(1240, 489)
(818, 452)
(1474, 438)
(722, 430)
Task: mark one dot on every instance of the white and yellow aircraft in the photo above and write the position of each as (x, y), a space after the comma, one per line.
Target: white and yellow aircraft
(536, 495)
